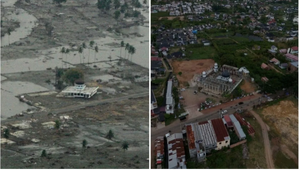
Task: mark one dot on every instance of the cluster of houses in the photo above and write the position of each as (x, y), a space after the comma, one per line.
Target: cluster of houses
(179, 36)
(181, 8)
(291, 54)
(202, 138)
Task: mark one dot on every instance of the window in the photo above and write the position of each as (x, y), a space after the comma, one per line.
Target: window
(220, 143)
(226, 142)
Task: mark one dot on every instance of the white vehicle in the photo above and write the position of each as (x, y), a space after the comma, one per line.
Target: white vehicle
(225, 111)
(167, 135)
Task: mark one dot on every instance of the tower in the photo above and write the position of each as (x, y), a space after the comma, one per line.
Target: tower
(216, 67)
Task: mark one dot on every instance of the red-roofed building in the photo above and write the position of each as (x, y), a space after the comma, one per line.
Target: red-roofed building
(294, 50)
(223, 139)
(176, 152)
(291, 57)
(275, 61)
(264, 79)
(159, 149)
(264, 66)
(228, 121)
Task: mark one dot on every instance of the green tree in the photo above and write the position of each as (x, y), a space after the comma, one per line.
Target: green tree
(6, 133)
(57, 124)
(136, 14)
(67, 52)
(125, 145)
(80, 52)
(59, 2)
(83, 47)
(62, 51)
(123, 8)
(145, 2)
(117, 4)
(91, 45)
(84, 143)
(96, 51)
(9, 30)
(72, 74)
(117, 14)
(127, 48)
(110, 135)
(122, 45)
(44, 153)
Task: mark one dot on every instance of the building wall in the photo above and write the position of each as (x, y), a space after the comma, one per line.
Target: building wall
(223, 144)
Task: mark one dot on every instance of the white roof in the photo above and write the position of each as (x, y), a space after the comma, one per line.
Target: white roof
(244, 69)
(73, 89)
(169, 98)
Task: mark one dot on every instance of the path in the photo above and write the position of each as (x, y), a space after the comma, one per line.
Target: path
(268, 151)
(95, 103)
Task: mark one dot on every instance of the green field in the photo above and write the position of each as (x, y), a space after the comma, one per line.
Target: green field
(195, 53)
(156, 16)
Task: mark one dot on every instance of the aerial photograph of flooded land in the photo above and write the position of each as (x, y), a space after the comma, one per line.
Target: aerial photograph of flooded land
(74, 84)
(224, 84)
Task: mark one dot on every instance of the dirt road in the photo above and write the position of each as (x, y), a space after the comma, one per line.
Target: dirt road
(268, 152)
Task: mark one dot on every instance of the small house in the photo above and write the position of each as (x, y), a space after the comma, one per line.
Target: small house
(264, 79)
(264, 66)
(275, 61)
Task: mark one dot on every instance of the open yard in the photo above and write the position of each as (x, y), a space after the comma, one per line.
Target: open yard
(282, 118)
(247, 86)
(207, 52)
(189, 68)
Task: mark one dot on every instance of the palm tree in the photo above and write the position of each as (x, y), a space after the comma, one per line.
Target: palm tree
(9, 32)
(80, 51)
(127, 48)
(122, 45)
(132, 51)
(63, 50)
(67, 52)
(83, 46)
(125, 145)
(96, 51)
(6, 133)
(91, 45)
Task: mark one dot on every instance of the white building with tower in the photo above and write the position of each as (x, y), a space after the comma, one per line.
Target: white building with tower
(78, 90)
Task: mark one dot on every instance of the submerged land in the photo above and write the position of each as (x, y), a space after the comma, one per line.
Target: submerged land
(41, 130)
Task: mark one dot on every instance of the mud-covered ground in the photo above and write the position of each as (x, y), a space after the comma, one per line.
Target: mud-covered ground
(127, 119)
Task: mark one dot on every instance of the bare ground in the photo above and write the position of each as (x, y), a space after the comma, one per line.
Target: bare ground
(190, 68)
(247, 86)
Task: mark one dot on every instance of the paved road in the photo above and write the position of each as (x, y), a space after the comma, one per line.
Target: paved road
(95, 103)
(212, 113)
(268, 151)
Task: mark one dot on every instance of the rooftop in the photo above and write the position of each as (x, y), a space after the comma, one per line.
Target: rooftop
(220, 129)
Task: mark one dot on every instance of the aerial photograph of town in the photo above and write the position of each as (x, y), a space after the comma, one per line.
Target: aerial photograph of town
(224, 84)
(75, 84)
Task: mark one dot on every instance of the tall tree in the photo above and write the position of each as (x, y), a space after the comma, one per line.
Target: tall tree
(67, 53)
(127, 48)
(145, 2)
(122, 45)
(44, 153)
(110, 135)
(91, 45)
(72, 74)
(83, 46)
(62, 51)
(84, 143)
(117, 4)
(125, 145)
(6, 133)
(117, 14)
(80, 51)
(9, 30)
(96, 51)
(59, 2)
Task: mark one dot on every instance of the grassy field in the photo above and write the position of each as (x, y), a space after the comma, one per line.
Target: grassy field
(282, 162)
(195, 53)
(156, 16)
(240, 39)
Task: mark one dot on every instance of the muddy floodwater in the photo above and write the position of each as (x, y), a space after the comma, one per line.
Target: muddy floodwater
(10, 105)
(51, 57)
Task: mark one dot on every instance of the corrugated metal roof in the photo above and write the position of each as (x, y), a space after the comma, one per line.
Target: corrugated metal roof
(220, 129)
(169, 98)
